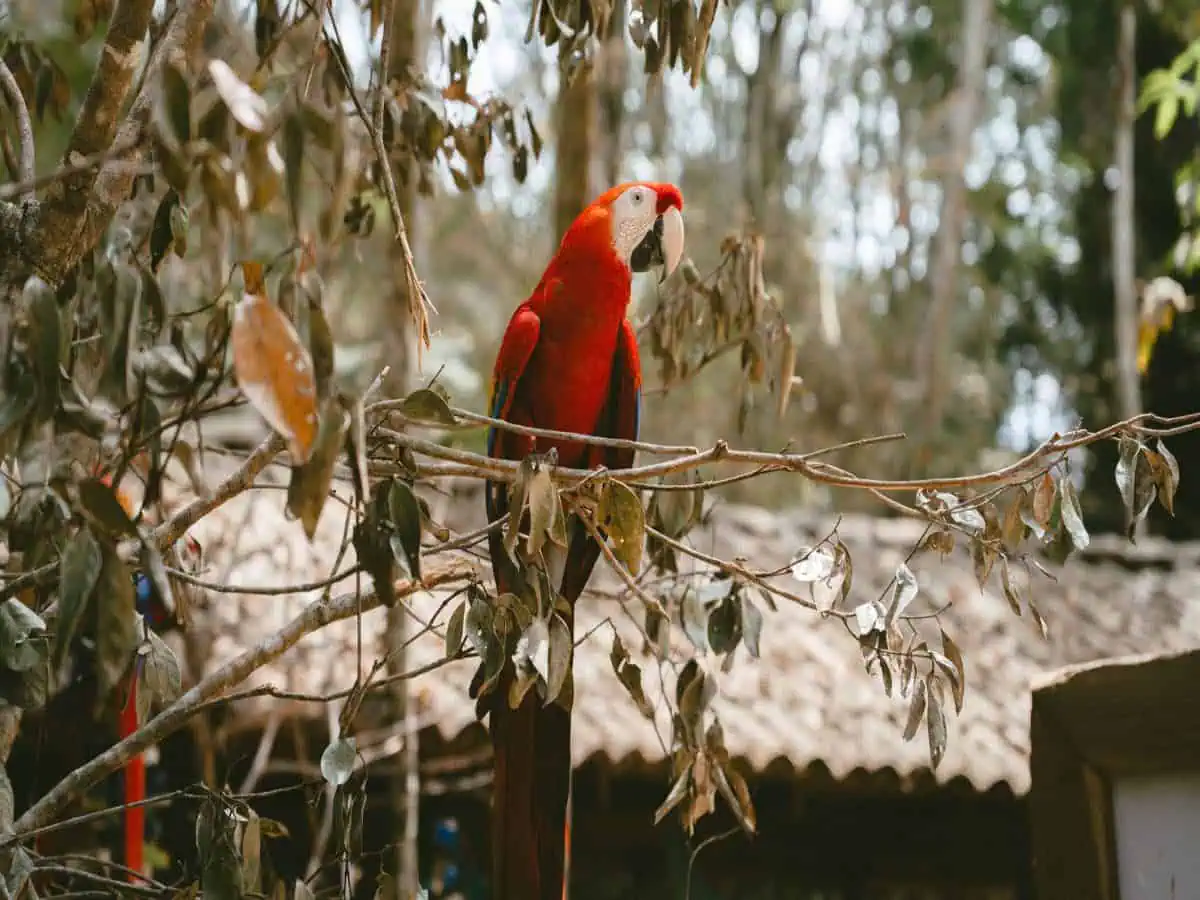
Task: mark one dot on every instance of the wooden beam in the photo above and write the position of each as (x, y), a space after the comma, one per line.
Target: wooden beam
(1091, 725)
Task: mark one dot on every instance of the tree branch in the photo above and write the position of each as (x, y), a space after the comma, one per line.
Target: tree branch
(72, 219)
(314, 617)
(468, 464)
(20, 112)
(99, 116)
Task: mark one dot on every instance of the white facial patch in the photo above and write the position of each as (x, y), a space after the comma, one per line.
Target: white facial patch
(633, 215)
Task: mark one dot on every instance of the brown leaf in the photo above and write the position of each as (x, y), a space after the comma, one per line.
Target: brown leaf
(1013, 528)
(959, 681)
(935, 723)
(983, 556)
(274, 368)
(674, 797)
(1164, 470)
(916, 711)
(311, 482)
(1043, 500)
(1010, 590)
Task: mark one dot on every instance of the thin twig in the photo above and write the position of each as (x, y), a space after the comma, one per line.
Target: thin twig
(36, 182)
(20, 112)
(419, 303)
(312, 618)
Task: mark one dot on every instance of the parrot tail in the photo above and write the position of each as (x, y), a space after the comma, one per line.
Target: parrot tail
(135, 788)
(532, 782)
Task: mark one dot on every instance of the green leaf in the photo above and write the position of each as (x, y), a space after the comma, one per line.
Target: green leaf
(177, 97)
(79, 570)
(46, 322)
(725, 624)
(372, 544)
(561, 647)
(624, 521)
(251, 854)
(294, 134)
(22, 636)
(161, 236)
(454, 630)
(161, 679)
(752, 622)
(1165, 115)
(220, 868)
(101, 505)
(429, 406)
(337, 762)
(116, 619)
(7, 803)
(693, 615)
(405, 516)
(321, 346)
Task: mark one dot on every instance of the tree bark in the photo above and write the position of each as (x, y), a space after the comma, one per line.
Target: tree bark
(406, 35)
(575, 131)
(612, 77)
(934, 342)
(760, 175)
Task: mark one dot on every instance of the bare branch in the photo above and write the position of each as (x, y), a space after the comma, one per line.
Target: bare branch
(176, 527)
(806, 464)
(20, 112)
(314, 617)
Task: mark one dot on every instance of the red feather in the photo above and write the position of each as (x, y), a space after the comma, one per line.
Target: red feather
(568, 362)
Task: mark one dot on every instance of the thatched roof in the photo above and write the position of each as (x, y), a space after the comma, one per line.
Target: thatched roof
(807, 701)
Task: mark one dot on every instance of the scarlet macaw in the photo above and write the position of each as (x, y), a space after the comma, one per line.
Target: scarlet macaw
(568, 362)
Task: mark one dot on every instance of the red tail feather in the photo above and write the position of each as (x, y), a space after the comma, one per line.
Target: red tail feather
(135, 788)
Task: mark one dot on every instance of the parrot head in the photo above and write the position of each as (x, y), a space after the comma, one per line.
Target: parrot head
(644, 224)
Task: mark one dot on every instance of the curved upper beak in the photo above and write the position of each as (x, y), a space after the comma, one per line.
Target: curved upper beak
(662, 245)
(672, 240)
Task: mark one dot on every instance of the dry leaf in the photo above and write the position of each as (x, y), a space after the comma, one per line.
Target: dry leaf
(273, 367)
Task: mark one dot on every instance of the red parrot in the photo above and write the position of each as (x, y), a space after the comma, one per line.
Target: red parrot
(568, 362)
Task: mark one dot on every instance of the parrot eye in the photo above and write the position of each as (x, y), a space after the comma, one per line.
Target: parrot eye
(638, 196)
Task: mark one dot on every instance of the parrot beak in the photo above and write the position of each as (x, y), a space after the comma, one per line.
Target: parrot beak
(662, 245)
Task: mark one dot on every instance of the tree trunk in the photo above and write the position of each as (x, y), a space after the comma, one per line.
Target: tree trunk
(934, 342)
(760, 137)
(406, 42)
(611, 77)
(1129, 401)
(575, 130)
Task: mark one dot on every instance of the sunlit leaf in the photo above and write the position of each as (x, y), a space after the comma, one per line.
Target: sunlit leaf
(273, 368)
(337, 760)
(244, 103)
